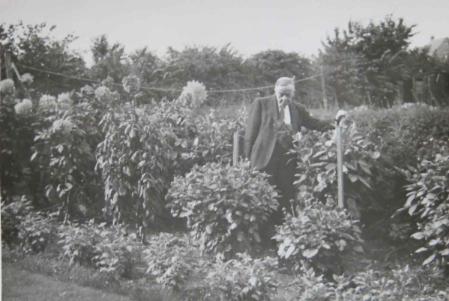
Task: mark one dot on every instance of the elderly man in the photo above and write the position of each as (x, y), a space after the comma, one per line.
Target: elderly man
(271, 123)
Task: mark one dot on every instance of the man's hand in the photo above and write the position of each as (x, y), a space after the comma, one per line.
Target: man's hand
(284, 101)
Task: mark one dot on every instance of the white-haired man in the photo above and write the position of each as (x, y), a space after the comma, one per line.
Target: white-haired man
(271, 123)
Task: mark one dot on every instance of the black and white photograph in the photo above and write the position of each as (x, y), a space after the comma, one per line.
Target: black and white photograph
(194, 150)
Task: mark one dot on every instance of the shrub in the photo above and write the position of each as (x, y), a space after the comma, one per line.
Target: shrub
(66, 158)
(400, 131)
(141, 151)
(77, 243)
(225, 206)
(308, 286)
(108, 249)
(242, 278)
(172, 259)
(401, 283)
(116, 251)
(10, 167)
(317, 169)
(215, 136)
(22, 226)
(320, 235)
(146, 146)
(428, 201)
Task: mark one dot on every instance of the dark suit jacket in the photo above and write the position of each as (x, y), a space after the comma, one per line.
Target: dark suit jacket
(260, 133)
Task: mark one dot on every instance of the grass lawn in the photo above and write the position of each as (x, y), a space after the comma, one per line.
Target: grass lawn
(22, 285)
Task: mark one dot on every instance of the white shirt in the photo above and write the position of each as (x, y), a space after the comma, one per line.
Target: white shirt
(287, 116)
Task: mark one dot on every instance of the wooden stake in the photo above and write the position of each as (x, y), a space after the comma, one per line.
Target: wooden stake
(236, 148)
(8, 65)
(341, 203)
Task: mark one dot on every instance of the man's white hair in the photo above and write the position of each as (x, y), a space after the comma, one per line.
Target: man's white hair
(285, 83)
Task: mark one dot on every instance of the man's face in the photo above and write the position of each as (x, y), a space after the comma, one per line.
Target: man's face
(284, 94)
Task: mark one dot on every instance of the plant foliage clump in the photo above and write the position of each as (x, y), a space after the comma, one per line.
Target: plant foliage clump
(172, 259)
(225, 206)
(319, 235)
(111, 250)
(242, 278)
(428, 202)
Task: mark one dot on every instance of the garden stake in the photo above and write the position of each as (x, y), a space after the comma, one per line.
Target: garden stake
(341, 203)
(235, 149)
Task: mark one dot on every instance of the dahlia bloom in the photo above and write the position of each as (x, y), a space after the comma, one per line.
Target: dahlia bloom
(27, 78)
(103, 93)
(193, 94)
(63, 125)
(7, 87)
(47, 102)
(131, 84)
(24, 107)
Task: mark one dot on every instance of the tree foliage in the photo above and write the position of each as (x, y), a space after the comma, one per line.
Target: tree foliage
(35, 46)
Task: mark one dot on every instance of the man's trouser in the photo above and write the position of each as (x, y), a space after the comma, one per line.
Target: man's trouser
(281, 168)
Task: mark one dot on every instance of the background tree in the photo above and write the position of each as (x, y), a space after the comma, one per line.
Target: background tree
(366, 60)
(35, 46)
(267, 66)
(109, 60)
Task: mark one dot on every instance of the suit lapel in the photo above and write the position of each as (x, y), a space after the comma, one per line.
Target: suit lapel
(273, 107)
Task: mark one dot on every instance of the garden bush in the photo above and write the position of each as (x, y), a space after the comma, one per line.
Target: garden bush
(400, 132)
(318, 235)
(172, 259)
(397, 283)
(225, 206)
(428, 202)
(241, 278)
(110, 249)
(370, 194)
(141, 151)
(400, 283)
(24, 227)
(317, 169)
(67, 161)
(10, 166)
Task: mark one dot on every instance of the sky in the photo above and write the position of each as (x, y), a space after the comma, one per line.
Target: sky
(249, 26)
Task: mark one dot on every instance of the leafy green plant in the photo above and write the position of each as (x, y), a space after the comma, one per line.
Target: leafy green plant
(146, 146)
(110, 250)
(316, 154)
(428, 201)
(309, 286)
(401, 131)
(214, 134)
(319, 235)
(401, 283)
(242, 278)
(30, 230)
(77, 243)
(225, 206)
(398, 283)
(141, 150)
(172, 259)
(64, 154)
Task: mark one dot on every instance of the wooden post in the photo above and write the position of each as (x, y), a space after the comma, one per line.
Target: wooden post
(341, 203)
(323, 88)
(236, 148)
(8, 65)
(1, 58)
